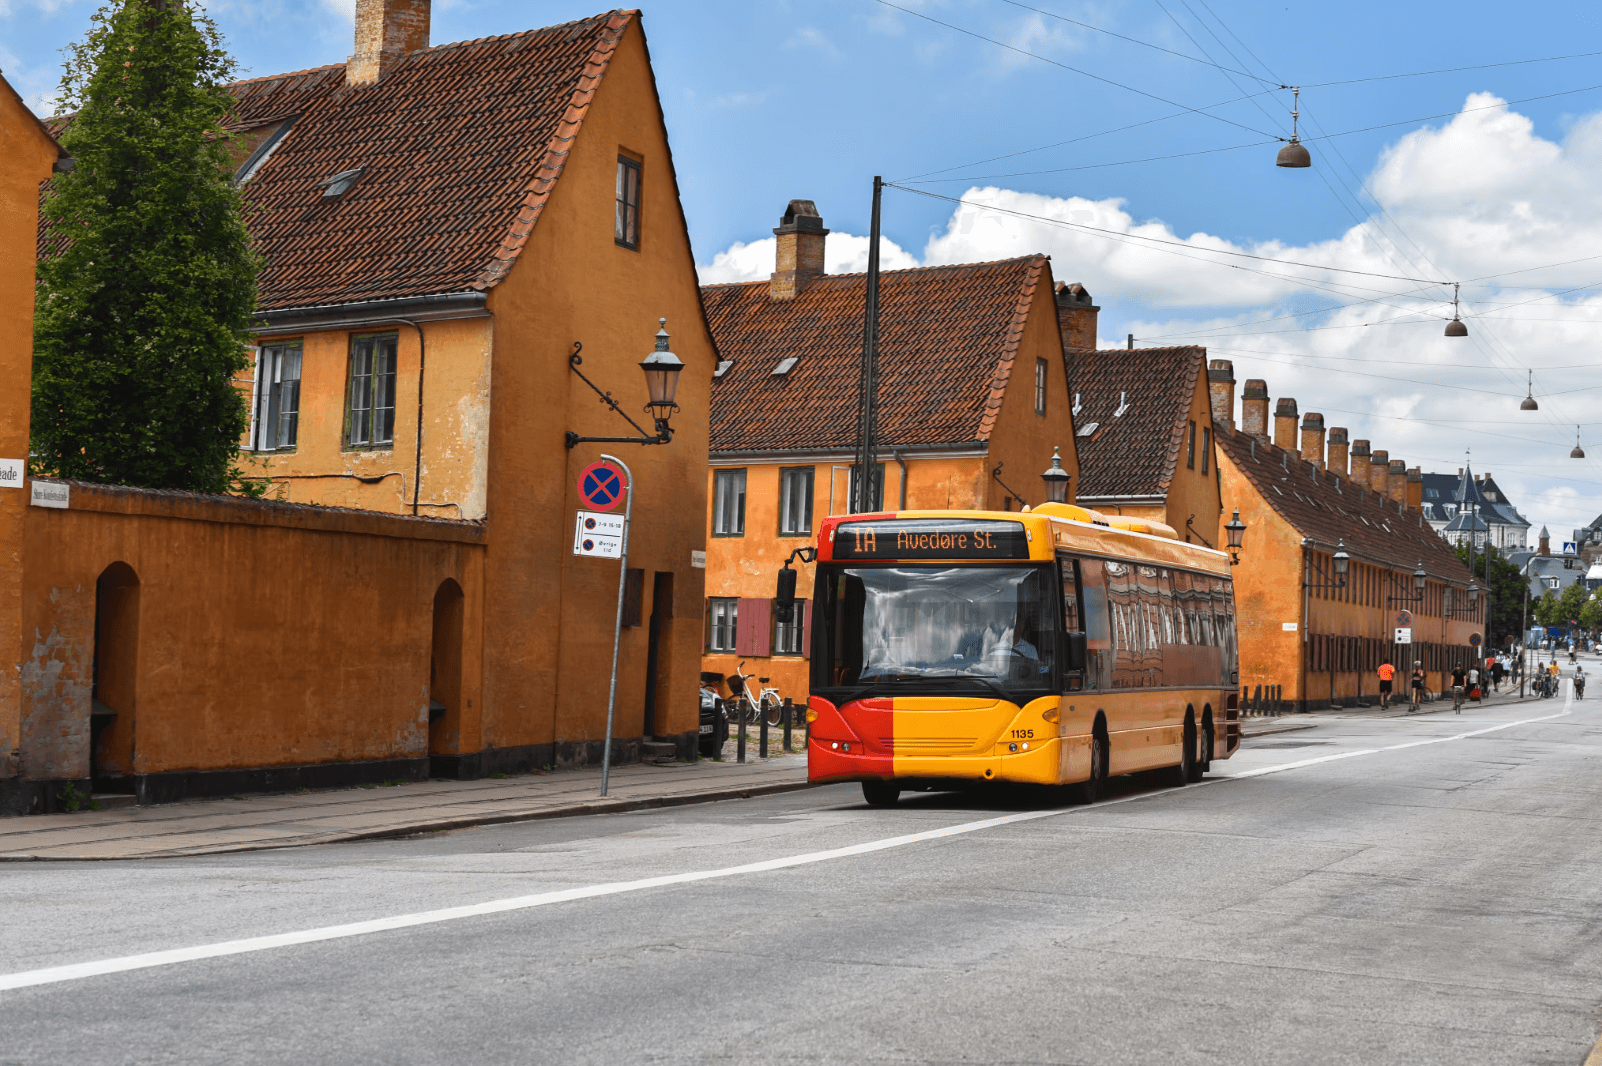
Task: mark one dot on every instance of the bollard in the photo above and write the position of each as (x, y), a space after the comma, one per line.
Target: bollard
(789, 716)
(739, 744)
(762, 733)
(1257, 701)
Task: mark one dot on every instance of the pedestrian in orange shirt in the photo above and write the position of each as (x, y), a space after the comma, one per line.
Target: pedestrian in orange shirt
(1386, 672)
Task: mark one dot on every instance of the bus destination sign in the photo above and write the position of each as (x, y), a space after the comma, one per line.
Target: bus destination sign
(931, 538)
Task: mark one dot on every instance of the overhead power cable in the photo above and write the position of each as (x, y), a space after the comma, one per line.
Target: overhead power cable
(1075, 70)
(1445, 70)
(1132, 40)
(1088, 166)
(1159, 240)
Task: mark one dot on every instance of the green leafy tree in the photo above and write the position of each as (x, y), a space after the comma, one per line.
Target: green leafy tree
(1501, 579)
(145, 292)
(1546, 610)
(1559, 609)
(1591, 612)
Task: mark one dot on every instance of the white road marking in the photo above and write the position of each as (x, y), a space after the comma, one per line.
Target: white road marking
(78, 971)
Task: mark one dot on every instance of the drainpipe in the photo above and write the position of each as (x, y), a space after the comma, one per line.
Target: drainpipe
(422, 360)
(1307, 577)
(902, 463)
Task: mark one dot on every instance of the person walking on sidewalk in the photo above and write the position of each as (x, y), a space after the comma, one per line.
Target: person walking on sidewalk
(1417, 686)
(1579, 682)
(1498, 671)
(1457, 689)
(1474, 684)
(1387, 673)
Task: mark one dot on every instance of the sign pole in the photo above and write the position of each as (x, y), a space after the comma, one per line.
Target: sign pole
(617, 626)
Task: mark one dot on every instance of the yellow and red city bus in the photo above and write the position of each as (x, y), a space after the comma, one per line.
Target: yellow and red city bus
(1053, 646)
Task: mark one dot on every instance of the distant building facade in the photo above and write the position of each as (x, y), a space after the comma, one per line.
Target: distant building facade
(1464, 506)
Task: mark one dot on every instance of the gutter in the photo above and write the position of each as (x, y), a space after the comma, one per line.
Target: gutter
(370, 312)
(956, 450)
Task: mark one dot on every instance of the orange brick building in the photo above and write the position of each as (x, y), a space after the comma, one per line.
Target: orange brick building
(1303, 498)
(441, 225)
(972, 403)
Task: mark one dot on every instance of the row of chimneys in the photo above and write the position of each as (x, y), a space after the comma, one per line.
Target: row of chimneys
(1365, 468)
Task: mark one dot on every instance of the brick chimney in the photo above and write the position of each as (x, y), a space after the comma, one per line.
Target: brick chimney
(1221, 388)
(1254, 409)
(1546, 544)
(1076, 316)
(1415, 489)
(385, 31)
(800, 252)
(1379, 472)
(1313, 438)
(1398, 480)
(1337, 450)
(1360, 463)
(1285, 423)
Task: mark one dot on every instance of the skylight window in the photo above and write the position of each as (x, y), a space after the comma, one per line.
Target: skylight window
(340, 184)
(1087, 429)
(722, 367)
(785, 365)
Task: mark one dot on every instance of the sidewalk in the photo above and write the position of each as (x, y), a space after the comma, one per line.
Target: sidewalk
(249, 823)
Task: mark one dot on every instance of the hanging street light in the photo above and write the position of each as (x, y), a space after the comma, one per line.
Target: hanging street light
(1236, 530)
(1455, 328)
(1529, 403)
(1056, 479)
(662, 369)
(1294, 154)
(1578, 452)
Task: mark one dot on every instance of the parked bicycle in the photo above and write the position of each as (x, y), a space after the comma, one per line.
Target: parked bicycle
(750, 708)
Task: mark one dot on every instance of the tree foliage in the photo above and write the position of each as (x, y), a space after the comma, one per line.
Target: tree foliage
(1559, 609)
(1505, 585)
(146, 290)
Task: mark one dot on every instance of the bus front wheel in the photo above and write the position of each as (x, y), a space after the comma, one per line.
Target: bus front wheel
(880, 793)
(1090, 791)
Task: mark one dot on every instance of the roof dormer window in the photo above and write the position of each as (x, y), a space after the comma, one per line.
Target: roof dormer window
(341, 183)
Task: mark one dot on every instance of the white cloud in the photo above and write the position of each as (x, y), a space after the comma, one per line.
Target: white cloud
(843, 254)
(1482, 195)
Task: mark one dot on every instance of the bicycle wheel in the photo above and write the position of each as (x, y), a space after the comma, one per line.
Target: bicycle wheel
(773, 711)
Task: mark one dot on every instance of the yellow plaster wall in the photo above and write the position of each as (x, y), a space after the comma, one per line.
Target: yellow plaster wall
(548, 614)
(1191, 492)
(456, 415)
(26, 157)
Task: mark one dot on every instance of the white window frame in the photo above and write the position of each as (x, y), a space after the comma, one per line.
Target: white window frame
(264, 428)
(728, 502)
(788, 476)
(790, 638)
(722, 620)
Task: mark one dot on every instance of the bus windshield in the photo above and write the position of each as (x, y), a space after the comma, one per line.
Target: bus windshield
(937, 630)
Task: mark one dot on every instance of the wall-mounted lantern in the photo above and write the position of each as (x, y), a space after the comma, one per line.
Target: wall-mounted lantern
(1236, 529)
(1056, 479)
(661, 369)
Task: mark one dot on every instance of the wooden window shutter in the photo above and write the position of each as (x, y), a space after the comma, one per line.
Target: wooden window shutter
(752, 636)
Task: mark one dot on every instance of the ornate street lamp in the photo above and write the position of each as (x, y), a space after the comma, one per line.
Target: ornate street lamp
(1056, 479)
(1236, 529)
(662, 369)
(1420, 576)
(1341, 560)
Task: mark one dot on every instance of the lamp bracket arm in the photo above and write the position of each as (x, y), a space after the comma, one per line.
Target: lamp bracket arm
(996, 473)
(573, 362)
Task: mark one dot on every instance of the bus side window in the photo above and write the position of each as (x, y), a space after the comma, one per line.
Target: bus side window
(1098, 624)
(1070, 593)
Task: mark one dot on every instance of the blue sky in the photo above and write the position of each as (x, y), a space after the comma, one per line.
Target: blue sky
(768, 101)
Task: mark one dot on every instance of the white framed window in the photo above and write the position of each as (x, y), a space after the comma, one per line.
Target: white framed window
(1040, 386)
(789, 637)
(728, 503)
(277, 413)
(795, 501)
(722, 619)
(370, 412)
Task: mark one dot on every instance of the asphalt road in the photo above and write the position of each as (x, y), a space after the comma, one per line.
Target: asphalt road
(1369, 891)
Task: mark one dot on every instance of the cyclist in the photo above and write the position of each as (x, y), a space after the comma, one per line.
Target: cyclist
(1386, 672)
(1457, 689)
(1553, 674)
(1417, 679)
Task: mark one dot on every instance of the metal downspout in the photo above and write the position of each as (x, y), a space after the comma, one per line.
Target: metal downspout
(902, 463)
(422, 361)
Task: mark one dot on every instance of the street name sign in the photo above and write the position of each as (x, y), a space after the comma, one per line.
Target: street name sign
(11, 473)
(50, 494)
(599, 534)
(1404, 634)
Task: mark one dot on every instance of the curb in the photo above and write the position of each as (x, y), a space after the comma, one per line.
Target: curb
(444, 825)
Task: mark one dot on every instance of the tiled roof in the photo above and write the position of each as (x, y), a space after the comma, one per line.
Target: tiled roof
(947, 339)
(459, 147)
(1134, 453)
(1328, 508)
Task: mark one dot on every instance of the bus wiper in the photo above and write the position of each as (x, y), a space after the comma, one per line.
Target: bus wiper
(985, 683)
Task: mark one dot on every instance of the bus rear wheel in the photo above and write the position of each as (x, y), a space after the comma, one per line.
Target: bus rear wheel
(880, 793)
(1204, 756)
(1185, 772)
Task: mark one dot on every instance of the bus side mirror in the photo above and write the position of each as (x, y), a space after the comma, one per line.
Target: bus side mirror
(1077, 653)
(784, 608)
